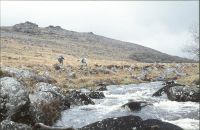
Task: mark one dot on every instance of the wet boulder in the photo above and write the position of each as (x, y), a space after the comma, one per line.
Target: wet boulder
(10, 125)
(47, 102)
(184, 93)
(14, 100)
(154, 124)
(166, 88)
(96, 95)
(118, 123)
(136, 105)
(75, 97)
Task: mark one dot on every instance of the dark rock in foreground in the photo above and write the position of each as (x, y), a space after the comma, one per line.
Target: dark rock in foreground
(154, 124)
(118, 123)
(130, 123)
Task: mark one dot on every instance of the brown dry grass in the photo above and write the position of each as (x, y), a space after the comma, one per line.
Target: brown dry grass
(41, 59)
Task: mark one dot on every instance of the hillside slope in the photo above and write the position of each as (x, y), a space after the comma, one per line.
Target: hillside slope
(84, 44)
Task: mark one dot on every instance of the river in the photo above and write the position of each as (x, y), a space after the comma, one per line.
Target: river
(183, 114)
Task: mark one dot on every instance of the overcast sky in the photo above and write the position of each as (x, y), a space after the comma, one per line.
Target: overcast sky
(161, 25)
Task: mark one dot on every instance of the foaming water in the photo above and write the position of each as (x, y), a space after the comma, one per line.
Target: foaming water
(183, 114)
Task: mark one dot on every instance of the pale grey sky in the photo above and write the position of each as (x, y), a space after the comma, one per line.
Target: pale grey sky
(161, 25)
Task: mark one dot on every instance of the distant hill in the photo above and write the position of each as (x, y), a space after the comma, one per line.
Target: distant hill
(86, 44)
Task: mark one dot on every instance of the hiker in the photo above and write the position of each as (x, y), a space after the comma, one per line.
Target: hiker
(83, 62)
(60, 59)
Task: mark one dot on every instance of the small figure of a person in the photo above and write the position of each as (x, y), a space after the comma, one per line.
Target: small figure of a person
(60, 59)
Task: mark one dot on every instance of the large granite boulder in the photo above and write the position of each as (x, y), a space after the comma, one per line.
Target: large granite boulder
(26, 75)
(10, 125)
(47, 102)
(14, 100)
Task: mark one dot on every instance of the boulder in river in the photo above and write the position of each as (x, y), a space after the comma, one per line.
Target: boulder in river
(14, 99)
(10, 125)
(184, 93)
(96, 95)
(136, 105)
(166, 88)
(75, 97)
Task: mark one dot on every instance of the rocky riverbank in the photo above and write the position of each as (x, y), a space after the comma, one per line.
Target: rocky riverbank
(28, 97)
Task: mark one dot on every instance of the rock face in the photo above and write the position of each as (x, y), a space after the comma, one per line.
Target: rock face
(77, 98)
(119, 123)
(184, 93)
(26, 27)
(96, 95)
(47, 102)
(13, 98)
(10, 125)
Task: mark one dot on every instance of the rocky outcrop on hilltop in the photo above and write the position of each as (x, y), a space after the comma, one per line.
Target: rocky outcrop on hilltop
(27, 27)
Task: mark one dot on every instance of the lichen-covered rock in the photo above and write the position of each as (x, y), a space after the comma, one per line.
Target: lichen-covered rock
(13, 98)
(10, 125)
(184, 93)
(25, 75)
(47, 102)
(17, 73)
